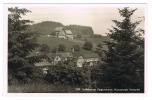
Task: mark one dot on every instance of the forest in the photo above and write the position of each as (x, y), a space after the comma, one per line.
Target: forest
(47, 28)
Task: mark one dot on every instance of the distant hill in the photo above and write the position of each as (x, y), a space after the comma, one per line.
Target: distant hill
(47, 27)
(80, 30)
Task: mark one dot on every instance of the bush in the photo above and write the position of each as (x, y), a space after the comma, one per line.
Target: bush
(64, 75)
(88, 45)
(54, 50)
(62, 47)
(79, 36)
(76, 48)
(27, 74)
(45, 48)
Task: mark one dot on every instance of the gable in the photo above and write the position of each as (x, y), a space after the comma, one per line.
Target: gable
(61, 33)
(57, 58)
(68, 32)
(58, 28)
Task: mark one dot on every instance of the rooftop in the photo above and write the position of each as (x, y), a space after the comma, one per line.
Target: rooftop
(64, 55)
(68, 32)
(42, 63)
(87, 55)
(58, 28)
(61, 33)
(91, 55)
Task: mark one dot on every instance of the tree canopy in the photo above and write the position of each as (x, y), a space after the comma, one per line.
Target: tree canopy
(125, 56)
(45, 48)
(21, 41)
(61, 47)
(88, 45)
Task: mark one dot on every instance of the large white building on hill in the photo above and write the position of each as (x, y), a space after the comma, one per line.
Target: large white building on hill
(60, 32)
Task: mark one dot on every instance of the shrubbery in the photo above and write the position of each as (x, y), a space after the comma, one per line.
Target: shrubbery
(65, 75)
(88, 45)
(26, 74)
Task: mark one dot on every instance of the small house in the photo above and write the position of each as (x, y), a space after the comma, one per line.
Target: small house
(90, 59)
(60, 32)
(60, 57)
(69, 34)
(44, 64)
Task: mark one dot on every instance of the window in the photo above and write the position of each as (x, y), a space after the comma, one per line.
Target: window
(45, 71)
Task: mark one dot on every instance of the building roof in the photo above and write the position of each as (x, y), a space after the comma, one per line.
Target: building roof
(58, 28)
(61, 33)
(42, 63)
(91, 55)
(68, 32)
(62, 55)
(66, 55)
(88, 55)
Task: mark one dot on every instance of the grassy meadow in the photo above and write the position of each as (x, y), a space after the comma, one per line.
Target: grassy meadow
(40, 88)
(53, 42)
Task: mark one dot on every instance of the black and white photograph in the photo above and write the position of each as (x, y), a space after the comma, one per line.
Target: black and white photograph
(76, 48)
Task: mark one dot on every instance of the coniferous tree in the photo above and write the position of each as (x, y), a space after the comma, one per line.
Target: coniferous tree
(125, 56)
(99, 50)
(21, 41)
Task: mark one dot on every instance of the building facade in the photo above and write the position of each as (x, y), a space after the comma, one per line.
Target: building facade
(60, 32)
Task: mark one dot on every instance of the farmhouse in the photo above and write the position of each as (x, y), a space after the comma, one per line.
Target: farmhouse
(59, 57)
(51, 59)
(86, 59)
(69, 34)
(44, 64)
(80, 59)
(60, 32)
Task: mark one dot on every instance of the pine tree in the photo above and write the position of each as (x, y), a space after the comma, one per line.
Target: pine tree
(21, 41)
(125, 56)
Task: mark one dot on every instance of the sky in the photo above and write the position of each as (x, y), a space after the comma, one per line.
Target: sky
(97, 17)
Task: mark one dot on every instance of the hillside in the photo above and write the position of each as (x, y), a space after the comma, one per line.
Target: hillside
(47, 27)
(80, 30)
(53, 42)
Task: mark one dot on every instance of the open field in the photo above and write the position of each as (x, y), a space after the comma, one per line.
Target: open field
(53, 42)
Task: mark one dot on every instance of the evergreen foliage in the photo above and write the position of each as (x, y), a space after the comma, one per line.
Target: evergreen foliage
(80, 30)
(124, 62)
(21, 41)
(99, 50)
(45, 27)
(48, 27)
